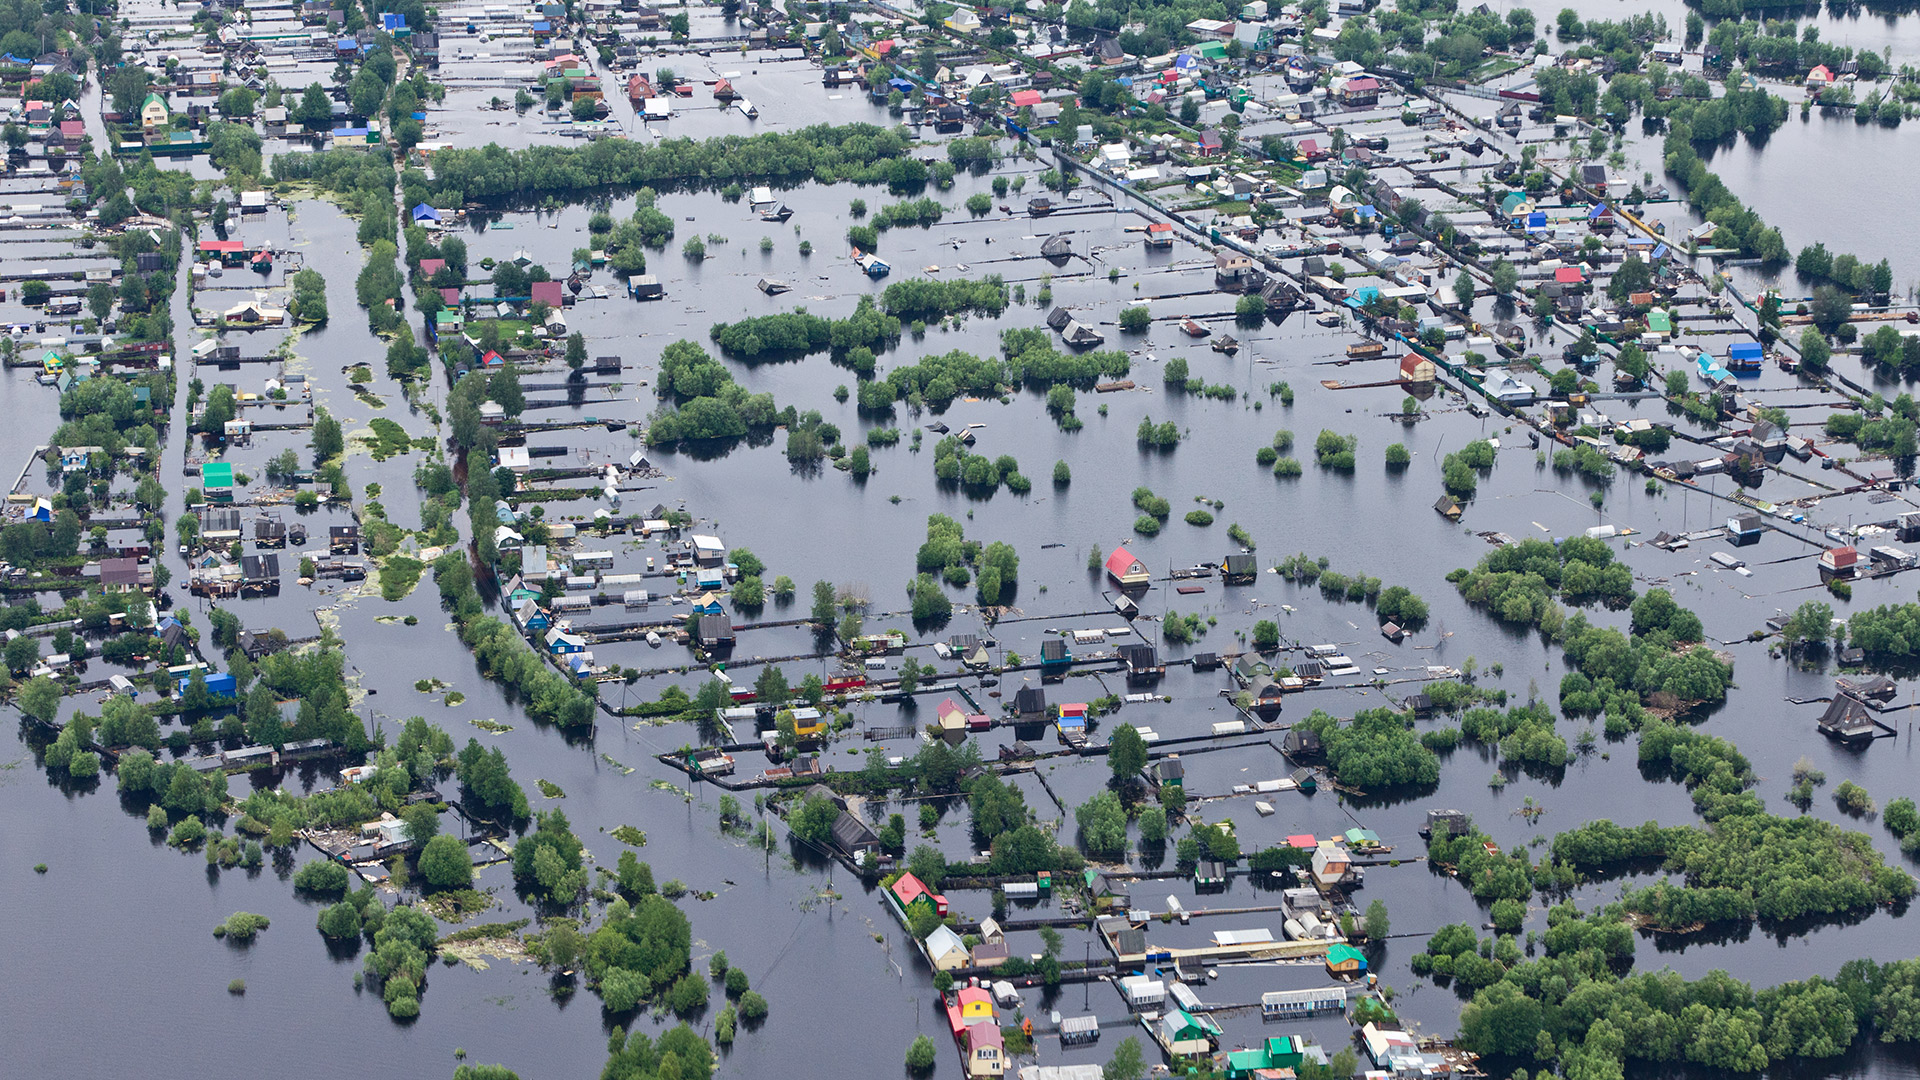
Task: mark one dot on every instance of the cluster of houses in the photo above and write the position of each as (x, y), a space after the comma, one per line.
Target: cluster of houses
(552, 588)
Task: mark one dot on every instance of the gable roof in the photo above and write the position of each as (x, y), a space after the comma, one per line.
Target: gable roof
(1122, 563)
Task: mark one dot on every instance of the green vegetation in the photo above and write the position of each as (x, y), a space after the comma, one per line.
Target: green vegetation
(548, 862)
(796, 333)
(1335, 451)
(1376, 750)
(709, 404)
(241, 926)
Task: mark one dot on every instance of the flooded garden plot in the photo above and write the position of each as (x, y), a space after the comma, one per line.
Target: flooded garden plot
(1149, 466)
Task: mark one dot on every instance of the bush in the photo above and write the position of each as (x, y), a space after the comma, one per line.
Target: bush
(921, 1054)
(1135, 319)
(445, 864)
(241, 926)
(322, 877)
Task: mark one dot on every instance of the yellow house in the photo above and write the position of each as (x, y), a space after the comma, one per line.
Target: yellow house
(976, 1005)
(809, 723)
(154, 114)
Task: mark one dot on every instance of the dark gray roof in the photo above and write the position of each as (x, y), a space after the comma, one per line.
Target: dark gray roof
(852, 834)
(1846, 715)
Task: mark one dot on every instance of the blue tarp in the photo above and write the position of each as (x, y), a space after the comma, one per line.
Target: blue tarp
(393, 21)
(347, 44)
(1660, 252)
(1598, 210)
(543, 28)
(902, 85)
(1536, 220)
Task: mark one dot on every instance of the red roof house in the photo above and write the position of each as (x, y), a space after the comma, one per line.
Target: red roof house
(1024, 98)
(550, 293)
(1839, 559)
(1569, 275)
(1126, 570)
(430, 267)
(910, 890)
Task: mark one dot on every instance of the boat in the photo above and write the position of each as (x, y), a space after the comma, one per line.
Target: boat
(653, 638)
(874, 266)
(774, 286)
(1194, 329)
(1039, 207)
(1225, 343)
(780, 212)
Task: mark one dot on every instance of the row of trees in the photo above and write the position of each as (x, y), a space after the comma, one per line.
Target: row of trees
(862, 153)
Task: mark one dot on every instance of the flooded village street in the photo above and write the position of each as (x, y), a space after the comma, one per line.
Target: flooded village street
(1107, 543)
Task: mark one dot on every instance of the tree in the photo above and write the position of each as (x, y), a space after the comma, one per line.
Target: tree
(445, 864)
(1810, 624)
(1505, 277)
(921, 1054)
(813, 821)
(40, 699)
(328, 439)
(1463, 289)
(22, 652)
(1136, 319)
(422, 824)
(1126, 753)
(1103, 825)
(322, 877)
(823, 604)
(1830, 308)
(771, 687)
(1126, 1063)
(576, 350)
(1814, 351)
(1377, 924)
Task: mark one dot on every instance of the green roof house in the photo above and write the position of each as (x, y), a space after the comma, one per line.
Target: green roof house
(216, 479)
(1344, 959)
(1279, 1052)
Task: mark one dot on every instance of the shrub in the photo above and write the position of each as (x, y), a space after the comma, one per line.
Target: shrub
(323, 877)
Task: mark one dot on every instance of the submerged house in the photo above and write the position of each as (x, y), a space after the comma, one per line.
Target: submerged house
(1126, 570)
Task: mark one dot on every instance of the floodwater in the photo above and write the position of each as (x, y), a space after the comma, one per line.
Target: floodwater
(803, 930)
